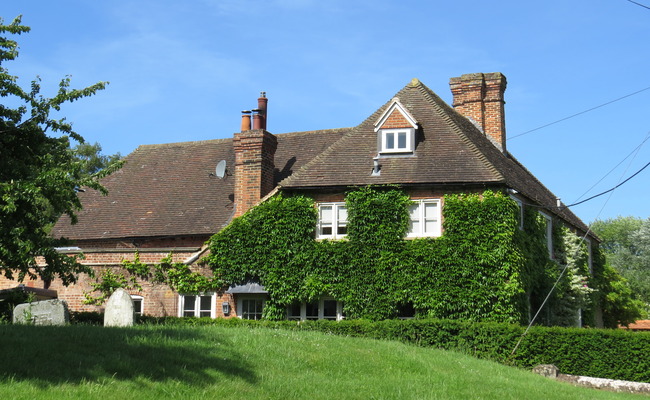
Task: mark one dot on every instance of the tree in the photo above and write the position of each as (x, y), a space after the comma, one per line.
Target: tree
(92, 159)
(626, 242)
(39, 174)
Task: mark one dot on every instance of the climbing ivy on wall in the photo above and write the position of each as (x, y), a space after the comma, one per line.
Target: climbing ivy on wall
(483, 268)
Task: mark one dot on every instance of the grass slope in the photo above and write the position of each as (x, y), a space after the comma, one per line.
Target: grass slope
(163, 362)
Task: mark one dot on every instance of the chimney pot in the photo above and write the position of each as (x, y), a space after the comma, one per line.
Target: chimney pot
(246, 121)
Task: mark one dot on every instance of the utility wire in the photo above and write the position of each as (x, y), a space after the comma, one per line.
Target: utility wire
(639, 4)
(580, 113)
(609, 190)
(635, 150)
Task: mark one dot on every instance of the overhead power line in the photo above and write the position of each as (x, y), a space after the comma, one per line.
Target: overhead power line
(580, 113)
(639, 4)
(609, 190)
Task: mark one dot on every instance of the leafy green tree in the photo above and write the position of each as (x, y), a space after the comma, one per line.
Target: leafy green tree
(626, 242)
(39, 173)
(92, 158)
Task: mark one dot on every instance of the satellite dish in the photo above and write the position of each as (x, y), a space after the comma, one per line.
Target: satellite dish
(220, 171)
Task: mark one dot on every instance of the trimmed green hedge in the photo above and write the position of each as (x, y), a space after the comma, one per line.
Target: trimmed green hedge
(613, 354)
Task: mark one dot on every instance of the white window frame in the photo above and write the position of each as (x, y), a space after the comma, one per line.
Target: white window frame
(321, 311)
(197, 305)
(421, 218)
(409, 140)
(335, 224)
(137, 298)
(240, 304)
(548, 233)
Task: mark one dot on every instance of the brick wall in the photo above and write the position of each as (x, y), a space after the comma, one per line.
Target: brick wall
(396, 120)
(480, 97)
(254, 167)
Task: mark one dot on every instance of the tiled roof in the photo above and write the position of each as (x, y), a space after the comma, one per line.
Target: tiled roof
(641, 325)
(168, 190)
(450, 150)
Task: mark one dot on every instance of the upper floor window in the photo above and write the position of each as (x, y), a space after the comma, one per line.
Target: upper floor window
(197, 305)
(332, 221)
(425, 218)
(520, 204)
(396, 140)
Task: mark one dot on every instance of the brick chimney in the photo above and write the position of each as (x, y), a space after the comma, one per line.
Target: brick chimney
(479, 97)
(254, 160)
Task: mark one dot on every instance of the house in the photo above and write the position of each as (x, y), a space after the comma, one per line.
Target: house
(169, 198)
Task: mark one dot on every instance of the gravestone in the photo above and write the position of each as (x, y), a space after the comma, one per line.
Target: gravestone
(46, 312)
(119, 309)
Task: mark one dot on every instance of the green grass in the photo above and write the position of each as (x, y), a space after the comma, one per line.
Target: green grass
(181, 362)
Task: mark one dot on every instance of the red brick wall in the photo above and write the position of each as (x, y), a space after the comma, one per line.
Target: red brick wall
(396, 120)
(481, 98)
(254, 167)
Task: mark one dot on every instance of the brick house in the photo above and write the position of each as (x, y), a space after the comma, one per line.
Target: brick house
(168, 198)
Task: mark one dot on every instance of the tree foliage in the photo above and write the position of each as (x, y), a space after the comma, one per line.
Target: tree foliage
(92, 159)
(626, 241)
(39, 173)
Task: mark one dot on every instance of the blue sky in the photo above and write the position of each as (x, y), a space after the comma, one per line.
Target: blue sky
(183, 71)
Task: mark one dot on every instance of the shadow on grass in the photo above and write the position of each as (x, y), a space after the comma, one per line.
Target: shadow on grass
(73, 354)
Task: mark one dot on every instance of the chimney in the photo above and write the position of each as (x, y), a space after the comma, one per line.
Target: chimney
(259, 118)
(254, 160)
(479, 97)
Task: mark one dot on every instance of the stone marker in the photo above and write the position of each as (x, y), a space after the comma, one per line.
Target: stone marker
(46, 312)
(119, 309)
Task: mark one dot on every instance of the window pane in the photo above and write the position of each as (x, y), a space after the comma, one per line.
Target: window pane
(342, 214)
(431, 211)
(342, 230)
(326, 213)
(326, 230)
(430, 227)
(206, 303)
(312, 310)
(137, 306)
(414, 211)
(401, 140)
(329, 309)
(188, 303)
(390, 140)
(294, 311)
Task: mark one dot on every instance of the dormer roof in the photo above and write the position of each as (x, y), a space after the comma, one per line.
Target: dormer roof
(396, 116)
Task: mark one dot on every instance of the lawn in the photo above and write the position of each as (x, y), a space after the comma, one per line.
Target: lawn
(182, 362)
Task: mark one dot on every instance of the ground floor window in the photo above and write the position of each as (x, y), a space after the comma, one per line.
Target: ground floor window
(251, 306)
(138, 304)
(200, 305)
(325, 308)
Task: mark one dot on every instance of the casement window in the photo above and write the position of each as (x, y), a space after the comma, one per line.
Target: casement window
(138, 304)
(396, 140)
(250, 307)
(425, 218)
(548, 233)
(332, 221)
(324, 308)
(201, 305)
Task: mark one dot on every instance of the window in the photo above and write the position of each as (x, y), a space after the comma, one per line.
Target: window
(332, 221)
(138, 303)
(396, 140)
(325, 308)
(548, 233)
(425, 218)
(590, 256)
(250, 307)
(197, 305)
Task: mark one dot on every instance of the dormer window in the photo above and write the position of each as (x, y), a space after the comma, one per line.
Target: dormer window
(396, 130)
(397, 140)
